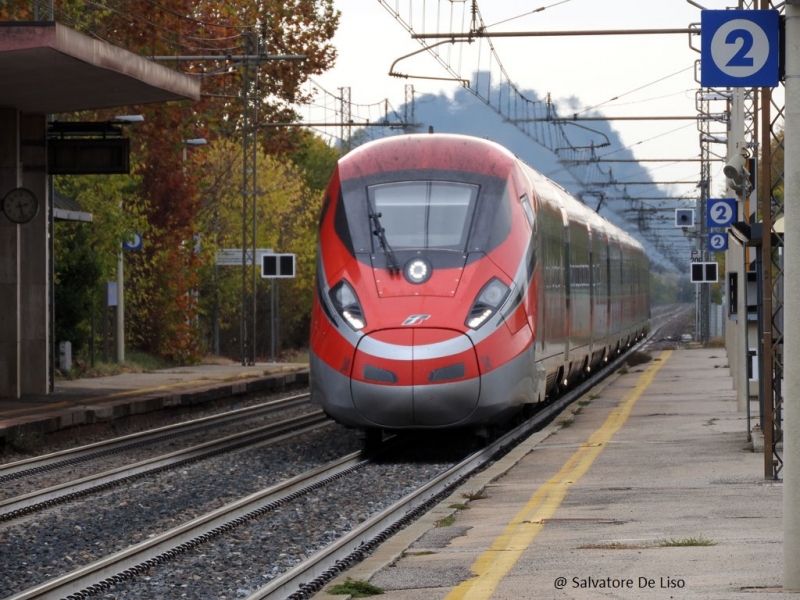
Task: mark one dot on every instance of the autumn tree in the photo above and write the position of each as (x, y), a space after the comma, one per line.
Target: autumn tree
(287, 210)
(164, 312)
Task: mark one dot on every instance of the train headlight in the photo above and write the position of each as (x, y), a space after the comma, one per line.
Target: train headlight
(347, 305)
(488, 302)
(417, 270)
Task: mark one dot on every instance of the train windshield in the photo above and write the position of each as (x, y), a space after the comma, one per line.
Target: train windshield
(425, 214)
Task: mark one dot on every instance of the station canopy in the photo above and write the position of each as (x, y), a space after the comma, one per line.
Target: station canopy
(47, 68)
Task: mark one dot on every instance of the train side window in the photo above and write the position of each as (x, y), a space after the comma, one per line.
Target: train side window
(526, 206)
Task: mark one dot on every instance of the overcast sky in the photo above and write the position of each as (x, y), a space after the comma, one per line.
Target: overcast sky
(650, 75)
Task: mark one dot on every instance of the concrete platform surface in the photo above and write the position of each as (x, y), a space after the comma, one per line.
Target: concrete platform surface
(648, 489)
(89, 401)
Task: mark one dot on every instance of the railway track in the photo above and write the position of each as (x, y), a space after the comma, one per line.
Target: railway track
(39, 500)
(99, 525)
(94, 578)
(666, 323)
(124, 568)
(71, 457)
(310, 576)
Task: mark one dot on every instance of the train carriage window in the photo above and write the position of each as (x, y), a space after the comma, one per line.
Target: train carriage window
(425, 214)
(526, 206)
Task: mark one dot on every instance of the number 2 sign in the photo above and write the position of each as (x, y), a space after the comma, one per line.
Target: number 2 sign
(739, 48)
(720, 211)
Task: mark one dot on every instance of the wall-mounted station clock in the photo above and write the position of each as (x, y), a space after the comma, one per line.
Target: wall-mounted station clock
(20, 205)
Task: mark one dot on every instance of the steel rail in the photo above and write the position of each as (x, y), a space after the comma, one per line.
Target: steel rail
(139, 558)
(64, 458)
(312, 574)
(25, 504)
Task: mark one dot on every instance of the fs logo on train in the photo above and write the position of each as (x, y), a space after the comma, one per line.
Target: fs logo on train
(416, 319)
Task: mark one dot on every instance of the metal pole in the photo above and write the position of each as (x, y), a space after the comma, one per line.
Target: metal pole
(768, 370)
(741, 352)
(702, 246)
(51, 296)
(216, 288)
(247, 343)
(249, 204)
(770, 399)
(244, 329)
(791, 469)
(273, 319)
(120, 309)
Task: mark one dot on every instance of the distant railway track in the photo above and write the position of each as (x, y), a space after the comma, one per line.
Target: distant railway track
(67, 458)
(662, 317)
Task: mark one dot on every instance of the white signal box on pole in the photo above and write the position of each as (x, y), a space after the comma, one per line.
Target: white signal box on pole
(277, 266)
(705, 272)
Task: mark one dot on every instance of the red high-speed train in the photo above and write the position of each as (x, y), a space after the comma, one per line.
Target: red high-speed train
(456, 285)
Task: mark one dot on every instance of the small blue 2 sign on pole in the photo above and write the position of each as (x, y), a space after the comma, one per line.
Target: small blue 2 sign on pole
(718, 241)
(133, 243)
(739, 48)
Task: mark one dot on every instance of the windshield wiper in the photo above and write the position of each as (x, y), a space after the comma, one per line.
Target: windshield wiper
(379, 232)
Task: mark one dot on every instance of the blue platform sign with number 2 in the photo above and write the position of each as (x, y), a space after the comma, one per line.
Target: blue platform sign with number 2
(717, 241)
(739, 48)
(720, 212)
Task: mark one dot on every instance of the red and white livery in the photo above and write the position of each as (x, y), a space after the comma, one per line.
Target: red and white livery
(455, 285)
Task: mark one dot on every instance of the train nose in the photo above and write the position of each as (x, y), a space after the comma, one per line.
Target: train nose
(415, 377)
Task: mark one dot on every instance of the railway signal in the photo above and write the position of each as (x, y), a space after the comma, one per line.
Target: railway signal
(277, 265)
(705, 272)
(684, 217)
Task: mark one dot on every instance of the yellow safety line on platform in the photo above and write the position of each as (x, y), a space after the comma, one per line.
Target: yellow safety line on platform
(494, 564)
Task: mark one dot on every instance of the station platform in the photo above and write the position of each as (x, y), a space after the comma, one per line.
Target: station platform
(646, 489)
(101, 400)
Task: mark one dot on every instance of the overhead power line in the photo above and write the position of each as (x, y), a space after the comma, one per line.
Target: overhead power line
(538, 119)
(482, 33)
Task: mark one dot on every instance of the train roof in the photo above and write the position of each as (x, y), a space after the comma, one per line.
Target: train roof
(552, 192)
(445, 151)
(458, 152)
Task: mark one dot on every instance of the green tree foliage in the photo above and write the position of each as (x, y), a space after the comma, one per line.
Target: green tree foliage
(286, 217)
(86, 253)
(777, 166)
(670, 288)
(77, 277)
(315, 159)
